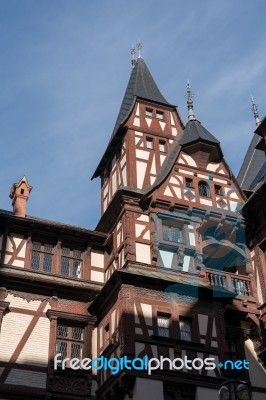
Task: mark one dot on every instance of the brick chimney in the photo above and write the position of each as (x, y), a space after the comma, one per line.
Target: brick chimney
(19, 195)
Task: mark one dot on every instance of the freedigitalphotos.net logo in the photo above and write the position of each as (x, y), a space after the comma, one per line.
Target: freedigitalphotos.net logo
(145, 364)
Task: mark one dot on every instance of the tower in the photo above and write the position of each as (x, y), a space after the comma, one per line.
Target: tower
(176, 264)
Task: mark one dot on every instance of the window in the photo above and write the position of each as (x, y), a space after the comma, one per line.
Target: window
(149, 143)
(149, 112)
(162, 146)
(69, 341)
(189, 182)
(204, 189)
(185, 329)
(163, 322)
(41, 257)
(71, 263)
(159, 114)
(218, 190)
(172, 234)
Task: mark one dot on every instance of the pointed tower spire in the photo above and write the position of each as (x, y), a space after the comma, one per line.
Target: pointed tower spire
(255, 111)
(189, 97)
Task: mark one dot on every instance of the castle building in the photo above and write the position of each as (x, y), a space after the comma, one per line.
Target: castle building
(165, 274)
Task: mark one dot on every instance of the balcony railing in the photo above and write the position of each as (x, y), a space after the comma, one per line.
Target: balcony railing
(229, 281)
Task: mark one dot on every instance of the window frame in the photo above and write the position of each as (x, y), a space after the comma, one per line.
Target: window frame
(69, 340)
(162, 143)
(161, 330)
(189, 323)
(218, 190)
(43, 253)
(149, 112)
(159, 115)
(72, 259)
(189, 183)
(151, 141)
(207, 187)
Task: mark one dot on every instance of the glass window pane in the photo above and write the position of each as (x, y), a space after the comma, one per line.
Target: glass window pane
(149, 144)
(163, 326)
(77, 333)
(166, 234)
(76, 269)
(185, 330)
(148, 112)
(65, 266)
(76, 350)
(61, 347)
(204, 189)
(35, 260)
(47, 263)
(62, 330)
(176, 235)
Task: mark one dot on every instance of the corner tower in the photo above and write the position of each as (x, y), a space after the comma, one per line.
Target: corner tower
(177, 277)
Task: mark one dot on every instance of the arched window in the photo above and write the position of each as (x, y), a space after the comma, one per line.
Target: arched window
(204, 189)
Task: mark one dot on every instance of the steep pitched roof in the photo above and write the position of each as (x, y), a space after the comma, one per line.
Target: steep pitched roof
(260, 178)
(195, 131)
(252, 164)
(141, 85)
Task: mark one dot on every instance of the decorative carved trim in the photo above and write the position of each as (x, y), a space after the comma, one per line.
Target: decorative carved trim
(85, 319)
(29, 296)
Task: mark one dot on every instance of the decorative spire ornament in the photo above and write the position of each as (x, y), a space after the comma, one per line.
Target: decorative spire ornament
(132, 52)
(139, 47)
(255, 111)
(189, 97)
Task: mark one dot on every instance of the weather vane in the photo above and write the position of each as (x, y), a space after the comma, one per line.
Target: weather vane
(139, 47)
(132, 52)
(189, 96)
(255, 111)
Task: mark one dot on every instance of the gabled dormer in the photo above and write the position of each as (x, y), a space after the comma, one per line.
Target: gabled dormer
(145, 130)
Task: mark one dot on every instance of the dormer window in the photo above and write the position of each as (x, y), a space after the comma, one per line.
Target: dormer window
(159, 114)
(204, 189)
(149, 143)
(149, 112)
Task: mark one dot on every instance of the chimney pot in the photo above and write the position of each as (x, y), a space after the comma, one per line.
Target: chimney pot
(19, 195)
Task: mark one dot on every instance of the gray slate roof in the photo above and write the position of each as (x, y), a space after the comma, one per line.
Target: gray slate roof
(252, 164)
(142, 85)
(260, 178)
(195, 131)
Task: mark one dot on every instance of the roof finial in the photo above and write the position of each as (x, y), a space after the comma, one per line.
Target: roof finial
(139, 47)
(255, 111)
(189, 97)
(132, 52)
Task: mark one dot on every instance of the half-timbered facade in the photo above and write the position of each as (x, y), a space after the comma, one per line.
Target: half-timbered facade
(166, 273)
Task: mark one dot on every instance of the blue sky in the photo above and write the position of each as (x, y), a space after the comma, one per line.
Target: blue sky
(64, 67)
